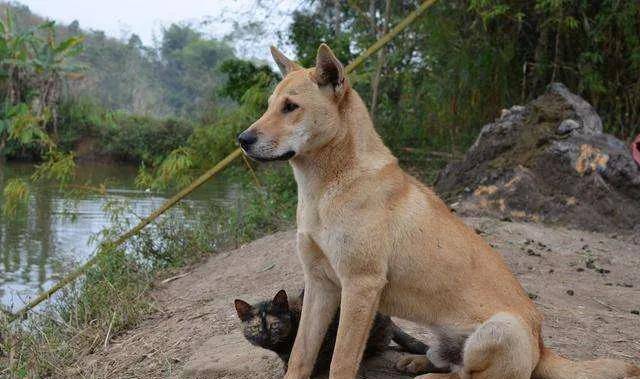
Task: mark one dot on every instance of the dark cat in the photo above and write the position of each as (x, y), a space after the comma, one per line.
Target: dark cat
(273, 325)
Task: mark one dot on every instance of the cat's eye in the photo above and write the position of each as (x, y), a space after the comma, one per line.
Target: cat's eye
(289, 107)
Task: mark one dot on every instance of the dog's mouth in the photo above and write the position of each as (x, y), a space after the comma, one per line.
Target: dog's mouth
(283, 157)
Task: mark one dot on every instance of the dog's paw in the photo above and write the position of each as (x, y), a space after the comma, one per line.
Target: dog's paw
(412, 364)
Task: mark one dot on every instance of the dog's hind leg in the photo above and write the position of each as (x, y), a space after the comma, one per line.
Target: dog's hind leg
(500, 348)
(358, 307)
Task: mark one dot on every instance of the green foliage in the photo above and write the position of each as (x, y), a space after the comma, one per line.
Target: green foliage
(175, 168)
(80, 118)
(15, 193)
(57, 166)
(108, 301)
(309, 30)
(592, 47)
(461, 63)
(210, 143)
(32, 66)
(242, 76)
(141, 138)
(111, 288)
(189, 69)
(268, 209)
(21, 127)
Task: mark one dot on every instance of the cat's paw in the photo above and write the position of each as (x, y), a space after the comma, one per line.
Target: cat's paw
(438, 376)
(412, 364)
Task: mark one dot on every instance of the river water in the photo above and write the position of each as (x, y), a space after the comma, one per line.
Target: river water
(53, 234)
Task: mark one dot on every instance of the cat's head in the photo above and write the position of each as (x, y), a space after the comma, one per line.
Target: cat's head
(267, 324)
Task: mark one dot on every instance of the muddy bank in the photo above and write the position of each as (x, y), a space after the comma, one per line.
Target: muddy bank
(586, 284)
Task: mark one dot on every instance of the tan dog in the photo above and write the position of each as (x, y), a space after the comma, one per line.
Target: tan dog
(370, 236)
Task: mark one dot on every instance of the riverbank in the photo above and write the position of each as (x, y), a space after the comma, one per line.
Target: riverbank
(586, 284)
(56, 229)
(113, 296)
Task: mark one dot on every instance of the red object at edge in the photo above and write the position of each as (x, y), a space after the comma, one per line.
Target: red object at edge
(635, 149)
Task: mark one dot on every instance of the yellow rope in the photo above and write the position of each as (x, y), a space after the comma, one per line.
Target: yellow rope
(206, 176)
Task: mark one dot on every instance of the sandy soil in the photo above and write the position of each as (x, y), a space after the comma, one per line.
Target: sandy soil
(586, 284)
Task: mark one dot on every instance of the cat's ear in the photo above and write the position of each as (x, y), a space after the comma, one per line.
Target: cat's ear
(280, 301)
(244, 309)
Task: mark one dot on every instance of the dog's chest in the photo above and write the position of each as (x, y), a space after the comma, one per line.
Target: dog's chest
(316, 234)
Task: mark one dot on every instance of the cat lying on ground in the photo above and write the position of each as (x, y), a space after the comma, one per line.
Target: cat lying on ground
(273, 324)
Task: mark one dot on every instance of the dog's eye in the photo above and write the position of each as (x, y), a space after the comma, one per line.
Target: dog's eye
(289, 107)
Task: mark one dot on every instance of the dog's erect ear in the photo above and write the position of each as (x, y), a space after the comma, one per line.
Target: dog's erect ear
(244, 309)
(285, 64)
(329, 70)
(280, 301)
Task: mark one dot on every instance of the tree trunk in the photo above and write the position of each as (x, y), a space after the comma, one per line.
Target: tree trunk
(48, 99)
(337, 21)
(382, 55)
(14, 86)
(539, 57)
(3, 143)
(375, 83)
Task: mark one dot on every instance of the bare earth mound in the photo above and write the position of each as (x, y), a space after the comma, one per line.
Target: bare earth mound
(587, 285)
(548, 161)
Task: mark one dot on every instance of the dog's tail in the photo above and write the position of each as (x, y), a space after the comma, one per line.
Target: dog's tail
(552, 366)
(407, 342)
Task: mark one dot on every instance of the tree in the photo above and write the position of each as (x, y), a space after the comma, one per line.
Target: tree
(436, 84)
(52, 64)
(189, 69)
(32, 66)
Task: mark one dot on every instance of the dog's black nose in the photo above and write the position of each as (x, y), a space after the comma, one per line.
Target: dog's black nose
(247, 138)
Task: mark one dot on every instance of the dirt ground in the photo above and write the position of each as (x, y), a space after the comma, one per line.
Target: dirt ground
(586, 284)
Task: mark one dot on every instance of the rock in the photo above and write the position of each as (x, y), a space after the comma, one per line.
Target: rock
(231, 356)
(567, 126)
(591, 122)
(547, 161)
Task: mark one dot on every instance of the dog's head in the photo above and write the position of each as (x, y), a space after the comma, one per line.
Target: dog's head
(303, 111)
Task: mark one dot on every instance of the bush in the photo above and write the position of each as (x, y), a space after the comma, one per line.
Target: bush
(141, 138)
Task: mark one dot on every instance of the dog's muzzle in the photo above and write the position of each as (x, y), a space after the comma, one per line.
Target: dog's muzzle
(247, 140)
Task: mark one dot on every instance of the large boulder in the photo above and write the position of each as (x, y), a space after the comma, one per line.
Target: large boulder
(548, 161)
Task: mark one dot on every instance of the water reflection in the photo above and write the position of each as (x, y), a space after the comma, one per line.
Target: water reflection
(48, 239)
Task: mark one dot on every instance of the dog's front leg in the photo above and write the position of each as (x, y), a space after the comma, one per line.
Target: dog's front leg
(321, 300)
(319, 307)
(359, 304)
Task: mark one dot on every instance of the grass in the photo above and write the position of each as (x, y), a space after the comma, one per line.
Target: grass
(114, 295)
(81, 320)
